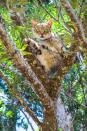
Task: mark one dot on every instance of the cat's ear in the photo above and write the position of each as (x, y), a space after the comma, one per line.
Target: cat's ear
(50, 22)
(34, 23)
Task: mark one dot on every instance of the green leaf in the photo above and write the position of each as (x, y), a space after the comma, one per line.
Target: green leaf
(9, 114)
(1, 103)
(25, 126)
(59, 129)
(74, 3)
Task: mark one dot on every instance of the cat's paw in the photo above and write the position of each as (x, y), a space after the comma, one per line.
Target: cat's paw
(27, 40)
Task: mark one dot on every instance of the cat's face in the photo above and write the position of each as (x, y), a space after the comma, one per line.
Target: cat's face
(42, 30)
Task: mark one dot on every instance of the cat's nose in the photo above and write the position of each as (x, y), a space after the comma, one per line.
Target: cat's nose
(41, 35)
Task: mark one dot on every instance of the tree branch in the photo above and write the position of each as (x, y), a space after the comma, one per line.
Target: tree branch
(26, 70)
(20, 99)
(68, 60)
(77, 23)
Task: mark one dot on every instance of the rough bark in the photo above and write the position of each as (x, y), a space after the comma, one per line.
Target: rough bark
(63, 118)
(50, 122)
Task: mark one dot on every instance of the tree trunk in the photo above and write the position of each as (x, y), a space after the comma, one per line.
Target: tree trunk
(63, 117)
(50, 122)
(58, 120)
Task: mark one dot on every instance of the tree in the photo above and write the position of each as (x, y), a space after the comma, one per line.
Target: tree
(47, 90)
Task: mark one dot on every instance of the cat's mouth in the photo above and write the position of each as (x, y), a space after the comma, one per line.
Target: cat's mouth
(42, 37)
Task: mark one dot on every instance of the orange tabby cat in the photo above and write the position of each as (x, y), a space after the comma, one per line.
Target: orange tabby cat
(51, 47)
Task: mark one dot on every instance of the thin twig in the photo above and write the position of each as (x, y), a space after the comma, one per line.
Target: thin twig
(57, 20)
(77, 23)
(81, 6)
(48, 11)
(66, 25)
(27, 119)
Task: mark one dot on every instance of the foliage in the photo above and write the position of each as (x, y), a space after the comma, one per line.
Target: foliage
(74, 93)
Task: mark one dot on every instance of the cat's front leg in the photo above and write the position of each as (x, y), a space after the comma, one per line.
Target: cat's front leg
(36, 49)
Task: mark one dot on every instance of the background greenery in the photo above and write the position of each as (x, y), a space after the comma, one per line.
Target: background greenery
(74, 91)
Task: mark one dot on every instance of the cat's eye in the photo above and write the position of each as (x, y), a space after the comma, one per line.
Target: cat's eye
(37, 30)
(46, 31)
